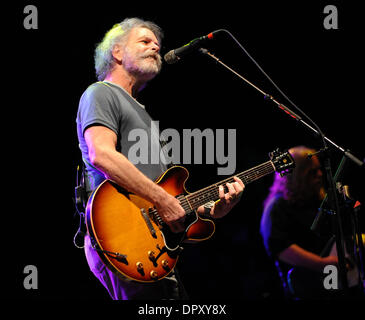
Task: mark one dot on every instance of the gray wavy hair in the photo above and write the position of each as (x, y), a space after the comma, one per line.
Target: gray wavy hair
(118, 34)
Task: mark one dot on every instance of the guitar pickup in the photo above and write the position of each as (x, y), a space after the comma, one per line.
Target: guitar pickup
(148, 222)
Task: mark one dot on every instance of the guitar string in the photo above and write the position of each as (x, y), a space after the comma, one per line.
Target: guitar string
(212, 196)
(247, 177)
(211, 193)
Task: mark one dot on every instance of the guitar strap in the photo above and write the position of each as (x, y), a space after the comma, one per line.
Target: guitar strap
(80, 200)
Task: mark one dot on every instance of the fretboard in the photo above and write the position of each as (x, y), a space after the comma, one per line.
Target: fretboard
(211, 193)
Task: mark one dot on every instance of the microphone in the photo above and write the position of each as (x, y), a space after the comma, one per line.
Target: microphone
(175, 55)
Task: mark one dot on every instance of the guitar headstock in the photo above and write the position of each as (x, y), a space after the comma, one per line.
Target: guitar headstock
(282, 161)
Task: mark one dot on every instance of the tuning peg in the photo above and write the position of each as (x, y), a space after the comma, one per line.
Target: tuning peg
(274, 153)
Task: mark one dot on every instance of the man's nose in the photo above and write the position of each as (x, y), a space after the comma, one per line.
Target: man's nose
(155, 47)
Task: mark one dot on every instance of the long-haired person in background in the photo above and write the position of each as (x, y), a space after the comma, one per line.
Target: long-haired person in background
(300, 254)
(289, 210)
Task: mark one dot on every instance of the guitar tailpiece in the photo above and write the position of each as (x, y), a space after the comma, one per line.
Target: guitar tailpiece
(115, 255)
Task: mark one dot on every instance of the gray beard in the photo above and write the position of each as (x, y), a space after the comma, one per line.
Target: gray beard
(143, 66)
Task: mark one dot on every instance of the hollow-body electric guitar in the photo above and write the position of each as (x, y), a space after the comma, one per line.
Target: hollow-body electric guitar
(132, 239)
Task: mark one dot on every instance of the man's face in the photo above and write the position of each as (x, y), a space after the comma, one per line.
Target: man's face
(141, 54)
(313, 175)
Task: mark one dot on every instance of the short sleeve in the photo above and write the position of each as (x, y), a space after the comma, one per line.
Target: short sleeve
(275, 228)
(98, 107)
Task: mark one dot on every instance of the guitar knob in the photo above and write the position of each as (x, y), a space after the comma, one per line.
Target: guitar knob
(151, 255)
(139, 266)
(165, 263)
(153, 274)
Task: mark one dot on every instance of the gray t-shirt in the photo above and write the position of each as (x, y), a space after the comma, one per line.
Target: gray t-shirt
(109, 105)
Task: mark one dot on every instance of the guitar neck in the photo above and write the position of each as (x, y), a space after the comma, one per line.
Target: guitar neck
(211, 193)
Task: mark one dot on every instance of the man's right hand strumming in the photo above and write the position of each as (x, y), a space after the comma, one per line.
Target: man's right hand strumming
(171, 212)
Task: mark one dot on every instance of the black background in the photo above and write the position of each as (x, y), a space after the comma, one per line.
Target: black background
(45, 71)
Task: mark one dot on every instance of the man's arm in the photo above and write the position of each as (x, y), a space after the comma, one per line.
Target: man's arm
(101, 143)
(297, 256)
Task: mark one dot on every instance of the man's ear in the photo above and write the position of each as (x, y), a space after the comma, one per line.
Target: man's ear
(117, 53)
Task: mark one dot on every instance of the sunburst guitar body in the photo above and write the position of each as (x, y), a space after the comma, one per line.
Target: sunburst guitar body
(132, 239)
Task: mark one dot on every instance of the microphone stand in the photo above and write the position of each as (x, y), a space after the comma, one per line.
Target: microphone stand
(332, 194)
(291, 113)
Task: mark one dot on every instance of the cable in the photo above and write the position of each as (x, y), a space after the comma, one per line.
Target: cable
(275, 85)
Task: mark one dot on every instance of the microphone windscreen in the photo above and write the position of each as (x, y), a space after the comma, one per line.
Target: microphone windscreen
(171, 57)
